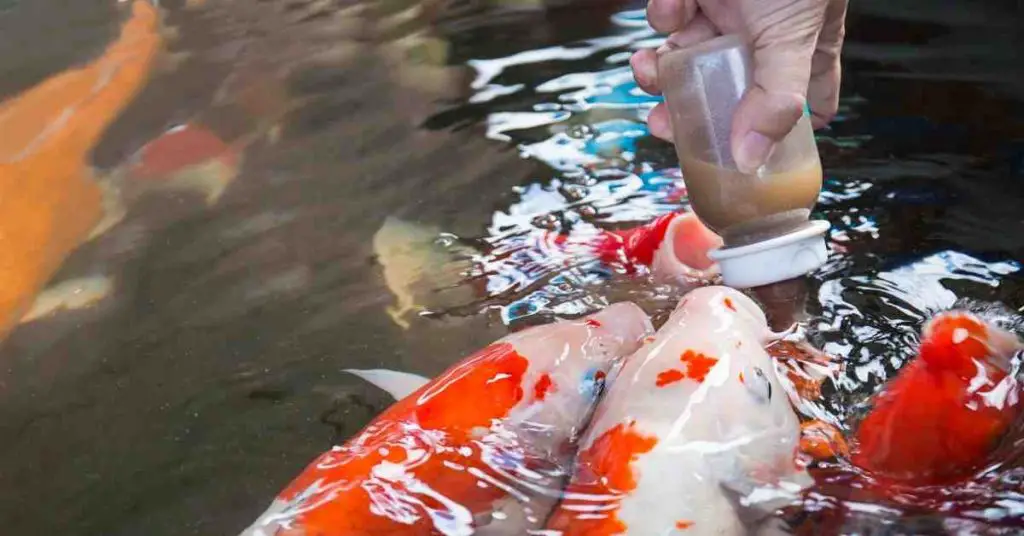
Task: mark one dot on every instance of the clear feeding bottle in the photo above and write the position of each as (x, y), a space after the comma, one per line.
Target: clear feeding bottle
(762, 217)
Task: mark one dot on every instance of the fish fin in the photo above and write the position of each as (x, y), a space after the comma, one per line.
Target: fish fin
(72, 294)
(397, 384)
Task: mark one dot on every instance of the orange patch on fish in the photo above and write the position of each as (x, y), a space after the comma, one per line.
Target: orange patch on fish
(669, 376)
(605, 470)
(435, 420)
(49, 202)
(822, 441)
(543, 386)
(729, 304)
(683, 524)
(698, 365)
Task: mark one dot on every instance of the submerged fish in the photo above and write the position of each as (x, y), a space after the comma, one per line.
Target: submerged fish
(695, 422)
(49, 202)
(674, 247)
(481, 449)
(416, 267)
(940, 418)
(187, 157)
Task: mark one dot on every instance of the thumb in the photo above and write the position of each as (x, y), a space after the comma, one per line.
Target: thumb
(775, 100)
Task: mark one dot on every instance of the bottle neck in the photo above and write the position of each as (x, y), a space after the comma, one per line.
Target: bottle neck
(785, 302)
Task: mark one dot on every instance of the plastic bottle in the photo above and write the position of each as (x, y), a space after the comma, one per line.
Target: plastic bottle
(763, 217)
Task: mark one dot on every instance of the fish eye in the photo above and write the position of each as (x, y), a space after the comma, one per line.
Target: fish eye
(759, 386)
(592, 384)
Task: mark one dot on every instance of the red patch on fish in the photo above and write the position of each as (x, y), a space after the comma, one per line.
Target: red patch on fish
(435, 419)
(698, 365)
(930, 425)
(543, 386)
(669, 376)
(592, 323)
(179, 148)
(606, 471)
(683, 524)
(636, 245)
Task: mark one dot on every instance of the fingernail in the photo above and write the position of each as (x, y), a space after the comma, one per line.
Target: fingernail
(753, 151)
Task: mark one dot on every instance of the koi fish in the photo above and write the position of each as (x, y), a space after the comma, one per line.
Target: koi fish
(188, 157)
(49, 202)
(481, 449)
(695, 419)
(941, 416)
(673, 246)
(416, 268)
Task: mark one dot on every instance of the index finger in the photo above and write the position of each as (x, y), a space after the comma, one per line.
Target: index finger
(668, 16)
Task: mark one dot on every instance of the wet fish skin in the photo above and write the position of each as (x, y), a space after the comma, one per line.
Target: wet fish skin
(494, 433)
(696, 419)
(940, 417)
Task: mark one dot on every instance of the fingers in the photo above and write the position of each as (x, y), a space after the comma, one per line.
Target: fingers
(782, 69)
(645, 62)
(645, 70)
(826, 72)
(659, 123)
(698, 30)
(668, 16)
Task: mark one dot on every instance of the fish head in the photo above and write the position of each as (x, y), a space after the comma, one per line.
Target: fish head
(739, 409)
(961, 342)
(569, 363)
(681, 252)
(731, 308)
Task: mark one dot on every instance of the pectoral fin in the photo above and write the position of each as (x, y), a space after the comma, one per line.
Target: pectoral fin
(397, 384)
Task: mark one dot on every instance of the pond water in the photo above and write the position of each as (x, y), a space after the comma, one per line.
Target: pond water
(319, 149)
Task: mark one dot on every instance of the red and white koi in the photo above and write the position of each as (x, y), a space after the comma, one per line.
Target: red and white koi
(674, 247)
(481, 449)
(694, 420)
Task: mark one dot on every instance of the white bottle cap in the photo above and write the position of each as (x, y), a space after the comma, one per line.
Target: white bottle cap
(777, 259)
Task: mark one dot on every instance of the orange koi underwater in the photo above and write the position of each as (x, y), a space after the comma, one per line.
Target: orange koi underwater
(483, 447)
(49, 202)
(940, 418)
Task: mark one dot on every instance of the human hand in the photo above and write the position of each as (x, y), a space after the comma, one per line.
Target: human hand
(795, 43)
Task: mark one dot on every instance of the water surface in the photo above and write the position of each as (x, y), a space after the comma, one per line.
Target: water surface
(210, 375)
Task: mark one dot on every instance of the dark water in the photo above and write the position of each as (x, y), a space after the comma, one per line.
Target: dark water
(182, 402)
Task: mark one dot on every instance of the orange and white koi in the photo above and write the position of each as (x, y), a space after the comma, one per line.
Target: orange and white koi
(694, 420)
(481, 449)
(942, 415)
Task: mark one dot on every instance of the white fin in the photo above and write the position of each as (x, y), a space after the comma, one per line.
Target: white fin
(69, 295)
(397, 384)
